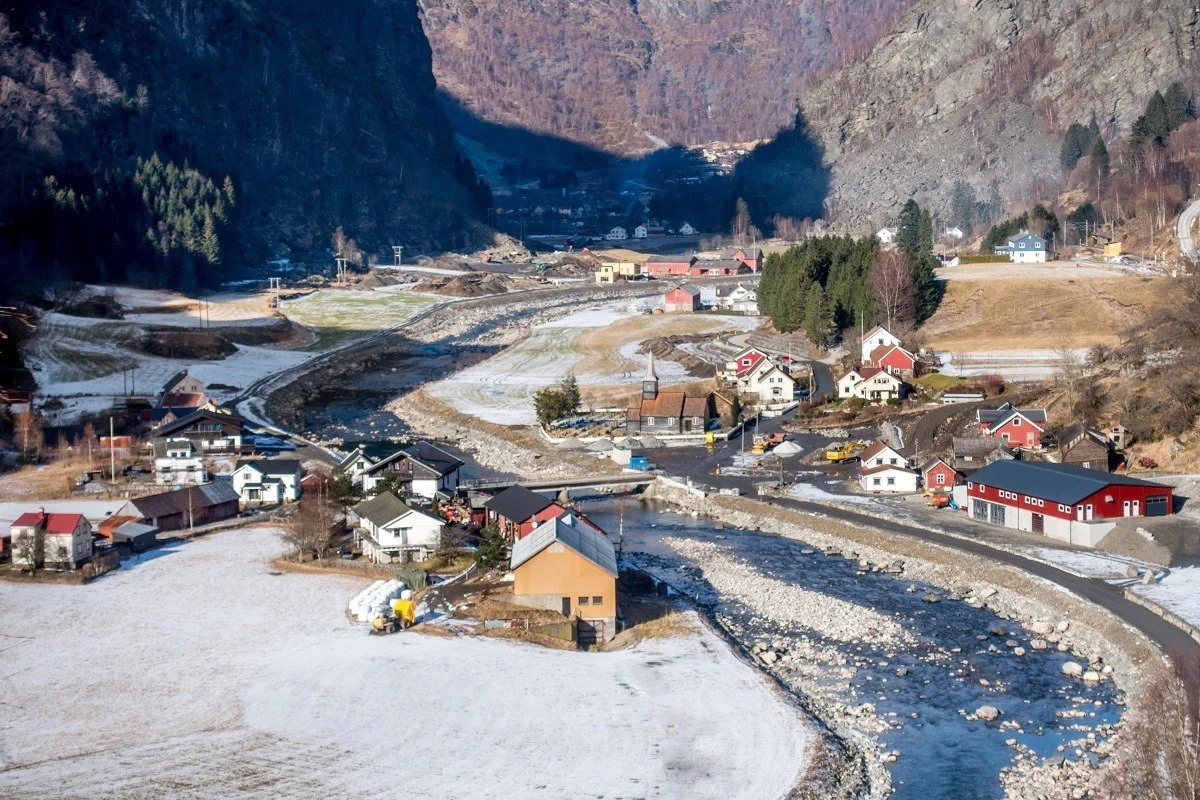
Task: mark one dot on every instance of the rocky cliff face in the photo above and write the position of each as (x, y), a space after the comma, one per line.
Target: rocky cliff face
(322, 114)
(628, 76)
(978, 90)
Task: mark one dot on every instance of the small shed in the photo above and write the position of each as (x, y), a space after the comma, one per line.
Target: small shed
(683, 298)
(138, 536)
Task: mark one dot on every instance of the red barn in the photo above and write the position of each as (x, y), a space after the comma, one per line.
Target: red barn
(682, 298)
(1061, 501)
(938, 476)
(660, 266)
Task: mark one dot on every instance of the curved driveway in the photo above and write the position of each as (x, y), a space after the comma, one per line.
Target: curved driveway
(1183, 230)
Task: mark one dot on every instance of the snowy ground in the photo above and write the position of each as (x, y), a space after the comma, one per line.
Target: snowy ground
(203, 675)
(1014, 365)
(1054, 270)
(1097, 564)
(1179, 593)
(339, 315)
(501, 389)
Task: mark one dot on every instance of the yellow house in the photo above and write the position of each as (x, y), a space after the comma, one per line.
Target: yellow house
(569, 565)
(613, 271)
(1112, 249)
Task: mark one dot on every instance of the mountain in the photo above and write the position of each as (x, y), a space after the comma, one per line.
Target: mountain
(983, 90)
(120, 122)
(628, 76)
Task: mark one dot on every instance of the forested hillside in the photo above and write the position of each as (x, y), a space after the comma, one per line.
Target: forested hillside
(174, 143)
(626, 76)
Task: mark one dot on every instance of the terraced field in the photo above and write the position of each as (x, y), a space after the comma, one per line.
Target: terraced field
(337, 316)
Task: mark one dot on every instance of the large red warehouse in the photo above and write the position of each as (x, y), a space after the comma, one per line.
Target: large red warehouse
(1062, 501)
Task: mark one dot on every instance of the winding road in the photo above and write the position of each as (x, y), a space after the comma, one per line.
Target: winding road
(1184, 228)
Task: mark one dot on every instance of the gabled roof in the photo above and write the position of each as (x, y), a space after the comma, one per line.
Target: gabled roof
(885, 468)
(665, 404)
(875, 449)
(434, 458)
(50, 522)
(517, 503)
(584, 540)
(272, 466)
(193, 498)
(162, 445)
(994, 417)
(689, 260)
(930, 463)
(687, 287)
(357, 453)
(1059, 483)
(1078, 432)
(383, 508)
(882, 352)
(173, 380)
(181, 400)
(695, 407)
(877, 329)
(196, 416)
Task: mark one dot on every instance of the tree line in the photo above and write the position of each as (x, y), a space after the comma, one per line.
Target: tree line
(829, 284)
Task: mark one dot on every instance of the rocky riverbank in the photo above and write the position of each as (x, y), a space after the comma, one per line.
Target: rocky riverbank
(1043, 618)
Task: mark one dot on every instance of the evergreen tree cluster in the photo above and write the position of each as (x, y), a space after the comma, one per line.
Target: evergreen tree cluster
(1164, 114)
(915, 238)
(1078, 143)
(191, 213)
(822, 286)
(1039, 220)
(555, 402)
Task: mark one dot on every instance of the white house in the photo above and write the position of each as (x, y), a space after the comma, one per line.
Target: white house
(881, 454)
(267, 481)
(770, 383)
(63, 541)
(686, 230)
(1024, 248)
(422, 469)
(355, 465)
(390, 531)
(871, 383)
(886, 235)
(183, 383)
(740, 299)
(617, 234)
(954, 233)
(878, 336)
(887, 479)
(641, 232)
(178, 462)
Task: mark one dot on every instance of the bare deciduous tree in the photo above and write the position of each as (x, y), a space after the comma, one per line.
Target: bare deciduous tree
(452, 540)
(311, 528)
(892, 288)
(29, 550)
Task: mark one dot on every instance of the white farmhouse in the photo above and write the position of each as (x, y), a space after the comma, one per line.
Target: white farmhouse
(268, 481)
(1024, 248)
(63, 541)
(954, 233)
(886, 235)
(422, 469)
(686, 230)
(617, 234)
(878, 336)
(770, 383)
(887, 479)
(641, 232)
(178, 462)
(741, 299)
(355, 465)
(390, 531)
(871, 384)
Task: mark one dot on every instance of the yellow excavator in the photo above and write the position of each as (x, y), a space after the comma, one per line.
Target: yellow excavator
(847, 451)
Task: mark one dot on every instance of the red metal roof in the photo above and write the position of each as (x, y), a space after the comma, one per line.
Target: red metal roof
(53, 523)
(29, 519)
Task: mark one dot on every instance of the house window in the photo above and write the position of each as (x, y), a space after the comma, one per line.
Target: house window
(941, 479)
(583, 601)
(649, 420)
(597, 601)
(1017, 422)
(891, 481)
(874, 481)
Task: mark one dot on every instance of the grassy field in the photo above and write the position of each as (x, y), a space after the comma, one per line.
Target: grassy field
(1040, 314)
(338, 315)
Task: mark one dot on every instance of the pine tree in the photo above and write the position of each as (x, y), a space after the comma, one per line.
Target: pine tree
(818, 317)
(909, 235)
(210, 245)
(927, 289)
(230, 194)
(925, 242)
(962, 206)
(1178, 106)
(1099, 159)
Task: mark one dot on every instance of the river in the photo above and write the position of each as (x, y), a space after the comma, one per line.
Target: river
(924, 690)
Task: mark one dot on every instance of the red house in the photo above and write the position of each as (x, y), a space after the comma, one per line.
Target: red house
(938, 476)
(660, 266)
(1061, 500)
(1016, 426)
(751, 257)
(682, 298)
(894, 359)
(517, 510)
(745, 361)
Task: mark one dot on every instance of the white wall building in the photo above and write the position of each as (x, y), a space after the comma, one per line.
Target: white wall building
(390, 531)
(268, 481)
(888, 480)
(641, 232)
(60, 540)
(178, 462)
(878, 336)
(617, 234)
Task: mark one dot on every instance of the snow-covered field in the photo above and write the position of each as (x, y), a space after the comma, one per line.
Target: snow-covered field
(1179, 593)
(1054, 270)
(501, 389)
(1014, 365)
(1097, 564)
(339, 315)
(196, 673)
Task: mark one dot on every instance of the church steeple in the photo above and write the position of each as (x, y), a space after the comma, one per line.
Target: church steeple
(650, 382)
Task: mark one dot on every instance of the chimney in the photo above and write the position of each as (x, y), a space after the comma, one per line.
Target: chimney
(42, 510)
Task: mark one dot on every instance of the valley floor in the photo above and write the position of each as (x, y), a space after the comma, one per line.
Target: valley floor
(196, 672)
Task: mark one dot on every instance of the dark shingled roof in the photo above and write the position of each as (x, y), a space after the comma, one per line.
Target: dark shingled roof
(184, 421)
(273, 466)
(517, 503)
(1058, 483)
(382, 509)
(432, 457)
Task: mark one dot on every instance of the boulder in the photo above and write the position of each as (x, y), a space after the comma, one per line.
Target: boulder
(1063, 626)
(998, 629)
(1131, 571)
(986, 592)
(1042, 628)
(1091, 676)
(987, 713)
(1072, 669)
(768, 657)
(1018, 651)
(1038, 644)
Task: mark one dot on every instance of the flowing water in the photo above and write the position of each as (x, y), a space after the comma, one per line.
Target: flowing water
(923, 690)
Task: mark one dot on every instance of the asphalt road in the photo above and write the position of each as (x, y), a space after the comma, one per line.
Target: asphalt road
(1167, 637)
(1183, 230)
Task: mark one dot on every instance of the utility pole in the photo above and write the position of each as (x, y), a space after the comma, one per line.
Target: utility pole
(112, 452)
(398, 254)
(341, 269)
